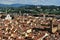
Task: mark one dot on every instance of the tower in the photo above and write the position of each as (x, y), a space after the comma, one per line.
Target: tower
(53, 28)
(51, 25)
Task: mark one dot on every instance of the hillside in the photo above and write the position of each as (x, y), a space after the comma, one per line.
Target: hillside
(25, 8)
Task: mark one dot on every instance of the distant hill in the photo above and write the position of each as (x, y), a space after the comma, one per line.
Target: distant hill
(26, 8)
(19, 5)
(15, 5)
(3, 5)
(12, 5)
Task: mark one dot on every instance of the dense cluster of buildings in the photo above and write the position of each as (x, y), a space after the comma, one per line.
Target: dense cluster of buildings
(29, 27)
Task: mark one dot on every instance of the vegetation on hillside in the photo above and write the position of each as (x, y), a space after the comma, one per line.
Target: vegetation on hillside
(32, 9)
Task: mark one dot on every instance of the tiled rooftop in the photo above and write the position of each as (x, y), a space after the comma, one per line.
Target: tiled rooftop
(29, 28)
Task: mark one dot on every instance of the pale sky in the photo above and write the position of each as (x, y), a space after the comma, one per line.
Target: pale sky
(34, 2)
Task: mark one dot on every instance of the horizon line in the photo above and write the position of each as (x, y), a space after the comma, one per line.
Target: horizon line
(32, 4)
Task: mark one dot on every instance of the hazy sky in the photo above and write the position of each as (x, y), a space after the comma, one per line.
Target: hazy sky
(35, 2)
